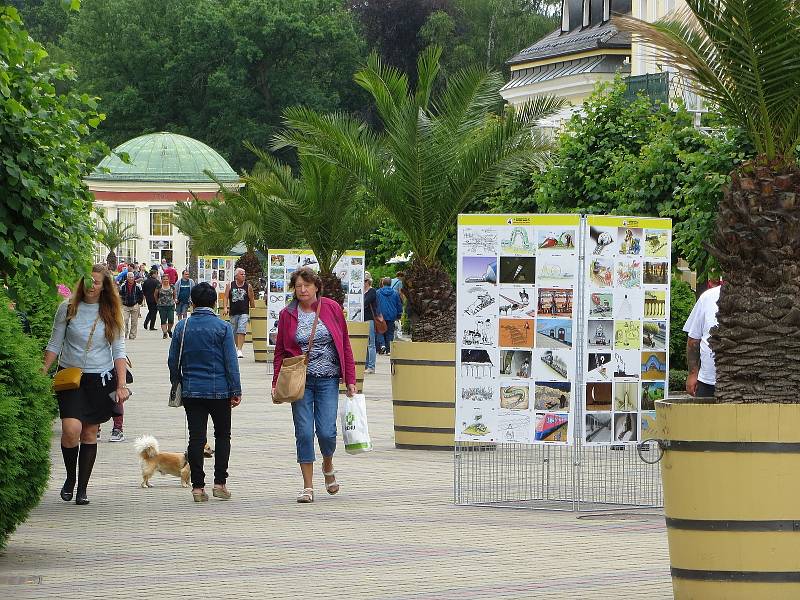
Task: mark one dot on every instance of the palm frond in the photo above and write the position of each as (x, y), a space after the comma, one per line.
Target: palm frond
(742, 55)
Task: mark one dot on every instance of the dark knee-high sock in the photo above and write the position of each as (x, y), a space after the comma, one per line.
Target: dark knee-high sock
(70, 462)
(85, 464)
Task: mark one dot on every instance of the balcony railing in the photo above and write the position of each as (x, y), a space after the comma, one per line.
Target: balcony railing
(654, 85)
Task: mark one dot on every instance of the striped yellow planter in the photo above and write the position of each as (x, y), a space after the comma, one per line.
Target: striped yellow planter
(731, 476)
(423, 395)
(258, 327)
(359, 336)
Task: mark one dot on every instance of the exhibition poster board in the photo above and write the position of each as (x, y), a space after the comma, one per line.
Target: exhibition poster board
(562, 327)
(626, 316)
(216, 270)
(283, 262)
(515, 342)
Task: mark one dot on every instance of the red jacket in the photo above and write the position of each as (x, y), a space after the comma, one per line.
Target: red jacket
(332, 315)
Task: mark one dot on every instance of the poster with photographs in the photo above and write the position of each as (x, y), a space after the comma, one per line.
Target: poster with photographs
(216, 270)
(283, 262)
(516, 349)
(626, 316)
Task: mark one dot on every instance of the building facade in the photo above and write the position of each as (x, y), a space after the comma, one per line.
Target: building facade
(586, 49)
(163, 169)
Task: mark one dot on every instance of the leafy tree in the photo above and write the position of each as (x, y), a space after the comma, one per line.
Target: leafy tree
(744, 56)
(633, 158)
(488, 32)
(112, 234)
(325, 204)
(45, 213)
(392, 27)
(435, 156)
(194, 219)
(217, 70)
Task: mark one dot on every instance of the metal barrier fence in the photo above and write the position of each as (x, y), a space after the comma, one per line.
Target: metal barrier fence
(572, 478)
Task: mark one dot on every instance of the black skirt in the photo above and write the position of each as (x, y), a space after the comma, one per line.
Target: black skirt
(91, 403)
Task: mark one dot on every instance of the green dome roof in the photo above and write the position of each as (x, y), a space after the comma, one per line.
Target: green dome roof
(166, 158)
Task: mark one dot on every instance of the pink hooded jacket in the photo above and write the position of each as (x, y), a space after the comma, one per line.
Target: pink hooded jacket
(332, 315)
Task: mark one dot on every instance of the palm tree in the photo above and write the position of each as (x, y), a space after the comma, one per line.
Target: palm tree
(433, 157)
(246, 216)
(194, 219)
(744, 56)
(325, 204)
(112, 234)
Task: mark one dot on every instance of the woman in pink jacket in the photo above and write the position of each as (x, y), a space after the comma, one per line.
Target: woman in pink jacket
(331, 359)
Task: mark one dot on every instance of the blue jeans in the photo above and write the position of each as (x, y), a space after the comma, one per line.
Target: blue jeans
(384, 340)
(371, 346)
(317, 409)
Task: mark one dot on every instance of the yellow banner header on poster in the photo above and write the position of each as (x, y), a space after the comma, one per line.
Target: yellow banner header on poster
(307, 251)
(618, 221)
(519, 220)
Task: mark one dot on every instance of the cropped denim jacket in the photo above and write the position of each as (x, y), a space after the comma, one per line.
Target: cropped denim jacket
(210, 367)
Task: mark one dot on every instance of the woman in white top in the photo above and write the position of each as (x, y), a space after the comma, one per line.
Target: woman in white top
(87, 333)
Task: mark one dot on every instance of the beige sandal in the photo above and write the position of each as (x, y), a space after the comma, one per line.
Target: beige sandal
(332, 487)
(200, 496)
(306, 496)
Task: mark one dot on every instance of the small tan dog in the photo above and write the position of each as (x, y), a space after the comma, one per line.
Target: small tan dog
(166, 463)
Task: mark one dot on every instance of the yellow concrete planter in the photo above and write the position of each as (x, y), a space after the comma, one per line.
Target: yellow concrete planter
(258, 327)
(359, 337)
(423, 395)
(731, 476)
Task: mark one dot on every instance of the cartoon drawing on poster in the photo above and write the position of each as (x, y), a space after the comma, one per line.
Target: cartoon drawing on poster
(517, 241)
(517, 333)
(479, 301)
(603, 240)
(629, 273)
(514, 427)
(552, 427)
(630, 240)
(479, 241)
(555, 270)
(515, 363)
(479, 332)
(601, 272)
(479, 269)
(554, 302)
(556, 239)
(516, 301)
(514, 397)
(553, 333)
(552, 396)
(553, 365)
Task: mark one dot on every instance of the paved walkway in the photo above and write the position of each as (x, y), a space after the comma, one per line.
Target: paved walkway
(392, 532)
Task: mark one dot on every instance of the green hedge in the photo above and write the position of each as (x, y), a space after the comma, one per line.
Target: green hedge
(681, 302)
(27, 408)
(38, 302)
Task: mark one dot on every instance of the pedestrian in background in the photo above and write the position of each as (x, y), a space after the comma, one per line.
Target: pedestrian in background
(238, 299)
(370, 309)
(165, 300)
(132, 298)
(390, 306)
(172, 273)
(149, 287)
(185, 285)
(87, 334)
(330, 360)
(210, 386)
(702, 378)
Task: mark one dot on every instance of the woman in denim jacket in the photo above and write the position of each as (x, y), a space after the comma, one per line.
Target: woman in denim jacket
(209, 372)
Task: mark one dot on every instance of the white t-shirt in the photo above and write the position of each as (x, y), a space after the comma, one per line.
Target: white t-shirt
(700, 321)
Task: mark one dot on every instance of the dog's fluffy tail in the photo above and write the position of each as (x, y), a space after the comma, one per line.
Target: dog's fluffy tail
(146, 446)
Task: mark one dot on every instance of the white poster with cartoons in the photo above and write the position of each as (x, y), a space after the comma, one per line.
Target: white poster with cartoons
(284, 262)
(626, 312)
(515, 357)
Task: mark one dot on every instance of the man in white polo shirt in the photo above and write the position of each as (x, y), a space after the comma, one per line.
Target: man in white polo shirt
(702, 377)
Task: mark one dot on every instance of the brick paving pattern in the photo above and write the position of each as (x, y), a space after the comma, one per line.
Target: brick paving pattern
(392, 532)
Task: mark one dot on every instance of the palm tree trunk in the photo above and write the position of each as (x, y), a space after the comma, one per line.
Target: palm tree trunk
(332, 288)
(111, 261)
(252, 268)
(432, 300)
(757, 242)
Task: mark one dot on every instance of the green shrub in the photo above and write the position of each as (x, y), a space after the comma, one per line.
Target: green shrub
(27, 408)
(38, 302)
(682, 299)
(677, 381)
